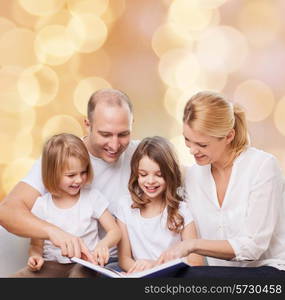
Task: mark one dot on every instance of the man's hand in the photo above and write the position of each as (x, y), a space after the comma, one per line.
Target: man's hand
(69, 244)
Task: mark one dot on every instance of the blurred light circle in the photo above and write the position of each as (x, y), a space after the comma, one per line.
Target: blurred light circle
(16, 48)
(176, 99)
(14, 172)
(53, 45)
(251, 21)
(20, 16)
(189, 15)
(178, 68)
(38, 85)
(184, 156)
(42, 7)
(85, 88)
(256, 98)
(210, 4)
(187, 72)
(59, 124)
(97, 7)
(92, 64)
(167, 37)
(23, 144)
(88, 32)
(10, 99)
(5, 25)
(16, 122)
(60, 18)
(222, 48)
(115, 9)
(214, 81)
(171, 98)
(279, 119)
(16, 146)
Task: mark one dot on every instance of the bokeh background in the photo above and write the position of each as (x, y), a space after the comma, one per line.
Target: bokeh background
(55, 53)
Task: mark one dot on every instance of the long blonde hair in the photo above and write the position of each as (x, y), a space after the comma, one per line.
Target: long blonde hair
(211, 114)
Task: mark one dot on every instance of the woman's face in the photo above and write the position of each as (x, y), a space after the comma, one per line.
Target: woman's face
(206, 149)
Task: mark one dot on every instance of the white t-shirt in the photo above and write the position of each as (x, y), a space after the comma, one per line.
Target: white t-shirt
(252, 216)
(80, 220)
(149, 237)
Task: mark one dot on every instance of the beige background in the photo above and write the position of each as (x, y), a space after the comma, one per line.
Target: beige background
(54, 54)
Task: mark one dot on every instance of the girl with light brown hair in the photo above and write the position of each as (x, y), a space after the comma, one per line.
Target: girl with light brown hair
(154, 216)
(235, 192)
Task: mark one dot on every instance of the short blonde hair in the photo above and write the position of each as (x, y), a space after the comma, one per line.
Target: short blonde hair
(211, 114)
(55, 156)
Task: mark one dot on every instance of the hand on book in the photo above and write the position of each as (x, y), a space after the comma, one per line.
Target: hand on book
(69, 244)
(178, 250)
(141, 265)
(101, 254)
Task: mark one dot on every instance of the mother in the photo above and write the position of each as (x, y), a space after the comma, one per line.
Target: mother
(235, 193)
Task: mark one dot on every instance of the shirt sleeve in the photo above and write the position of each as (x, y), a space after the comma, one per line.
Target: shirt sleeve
(38, 208)
(262, 213)
(121, 211)
(34, 177)
(185, 211)
(99, 203)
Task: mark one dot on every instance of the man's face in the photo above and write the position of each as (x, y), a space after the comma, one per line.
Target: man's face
(109, 132)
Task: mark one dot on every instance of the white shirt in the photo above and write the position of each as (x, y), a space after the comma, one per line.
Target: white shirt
(80, 220)
(252, 216)
(149, 237)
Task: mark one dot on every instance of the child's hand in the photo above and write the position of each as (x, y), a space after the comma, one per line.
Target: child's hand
(35, 263)
(101, 254)
(141, 265)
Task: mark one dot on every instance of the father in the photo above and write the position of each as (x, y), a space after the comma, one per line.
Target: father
(109, 124)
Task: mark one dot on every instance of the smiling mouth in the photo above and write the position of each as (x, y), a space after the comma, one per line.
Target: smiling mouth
(152, 189)
(200, 156)
(111, 153)
(75, 186)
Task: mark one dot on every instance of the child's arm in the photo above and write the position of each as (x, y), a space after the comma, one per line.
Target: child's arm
(126, 260)
(112, 237)
(190, 232)
(36, 261)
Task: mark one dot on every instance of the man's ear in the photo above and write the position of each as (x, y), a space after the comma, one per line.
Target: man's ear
(230, 136)
(87, 125)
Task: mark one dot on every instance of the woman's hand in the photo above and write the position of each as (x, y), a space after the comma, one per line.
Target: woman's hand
(181, 249)
(35, 263)
(141, 265)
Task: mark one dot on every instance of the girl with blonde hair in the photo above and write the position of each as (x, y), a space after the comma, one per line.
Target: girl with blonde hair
(72, 205)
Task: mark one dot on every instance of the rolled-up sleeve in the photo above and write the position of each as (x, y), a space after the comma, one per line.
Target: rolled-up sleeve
(262, 212)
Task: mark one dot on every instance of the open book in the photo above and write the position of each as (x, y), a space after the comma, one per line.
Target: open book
(168, 269)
